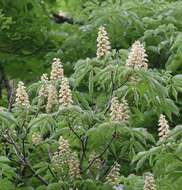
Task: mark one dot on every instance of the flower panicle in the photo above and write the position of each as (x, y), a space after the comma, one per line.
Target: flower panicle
(64, 146)
(119, 111)
(97, 161)
(36, 138)
(149, 182)
(43, 92)
(65, 95)
(22, 98)
(103, 44)
(114, 174)
(52, 98)
(74, 167)
(163, 127)
(137, 57)
(57, 71)
(61, 157)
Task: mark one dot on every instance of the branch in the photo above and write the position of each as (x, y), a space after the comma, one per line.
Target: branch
(112, 92)
(176, 156)
(84, 145)
(37, 175)
(114, 89)
(24, 160)
(52, 173)
(103, 152)
(74, 132)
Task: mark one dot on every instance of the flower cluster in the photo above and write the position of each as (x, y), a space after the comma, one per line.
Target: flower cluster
(43, 92)
(137, 57)
(97, 162)
(149, 183)
(57, 71)
(64, 157)
(64, 149)
(103, 44)
(65, 95)
(52, 98)
(61, 157)
(113, 176)
(36, 138)
(21, 95)
(119, 111)
(163, 127)
(74, 167)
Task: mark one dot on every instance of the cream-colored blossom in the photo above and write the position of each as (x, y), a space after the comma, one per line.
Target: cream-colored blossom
(36, 138)
(103, 44)
(57, 71)
(163, 127)
(113, 176)
(43, 92)
(52, 98)
(137, 57)
(97, 162)
(74, 167)
(55, 160)
(64, 146)
(119, 111)
(62, 156)
(65, 95)
(149, 183)
(21, 95)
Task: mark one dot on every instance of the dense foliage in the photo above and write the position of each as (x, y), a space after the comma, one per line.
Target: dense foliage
(107, 115)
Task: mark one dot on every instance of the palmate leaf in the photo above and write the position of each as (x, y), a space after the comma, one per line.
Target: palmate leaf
(177, 82)
(100, 134)
(103, 76)
(6, 184)
(144, 156)
(43, 121)
(176, 132)
(81, 99)
(7, 118)
(82, 69)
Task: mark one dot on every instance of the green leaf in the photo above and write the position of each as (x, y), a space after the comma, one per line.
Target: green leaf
(91, 83)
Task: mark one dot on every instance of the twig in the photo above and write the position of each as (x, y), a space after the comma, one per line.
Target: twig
(52, 173)
(74, 132)
(114, 89)
(24, 160)
(103, 152)
(37, 175)
(112, 92)
(84, 145)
